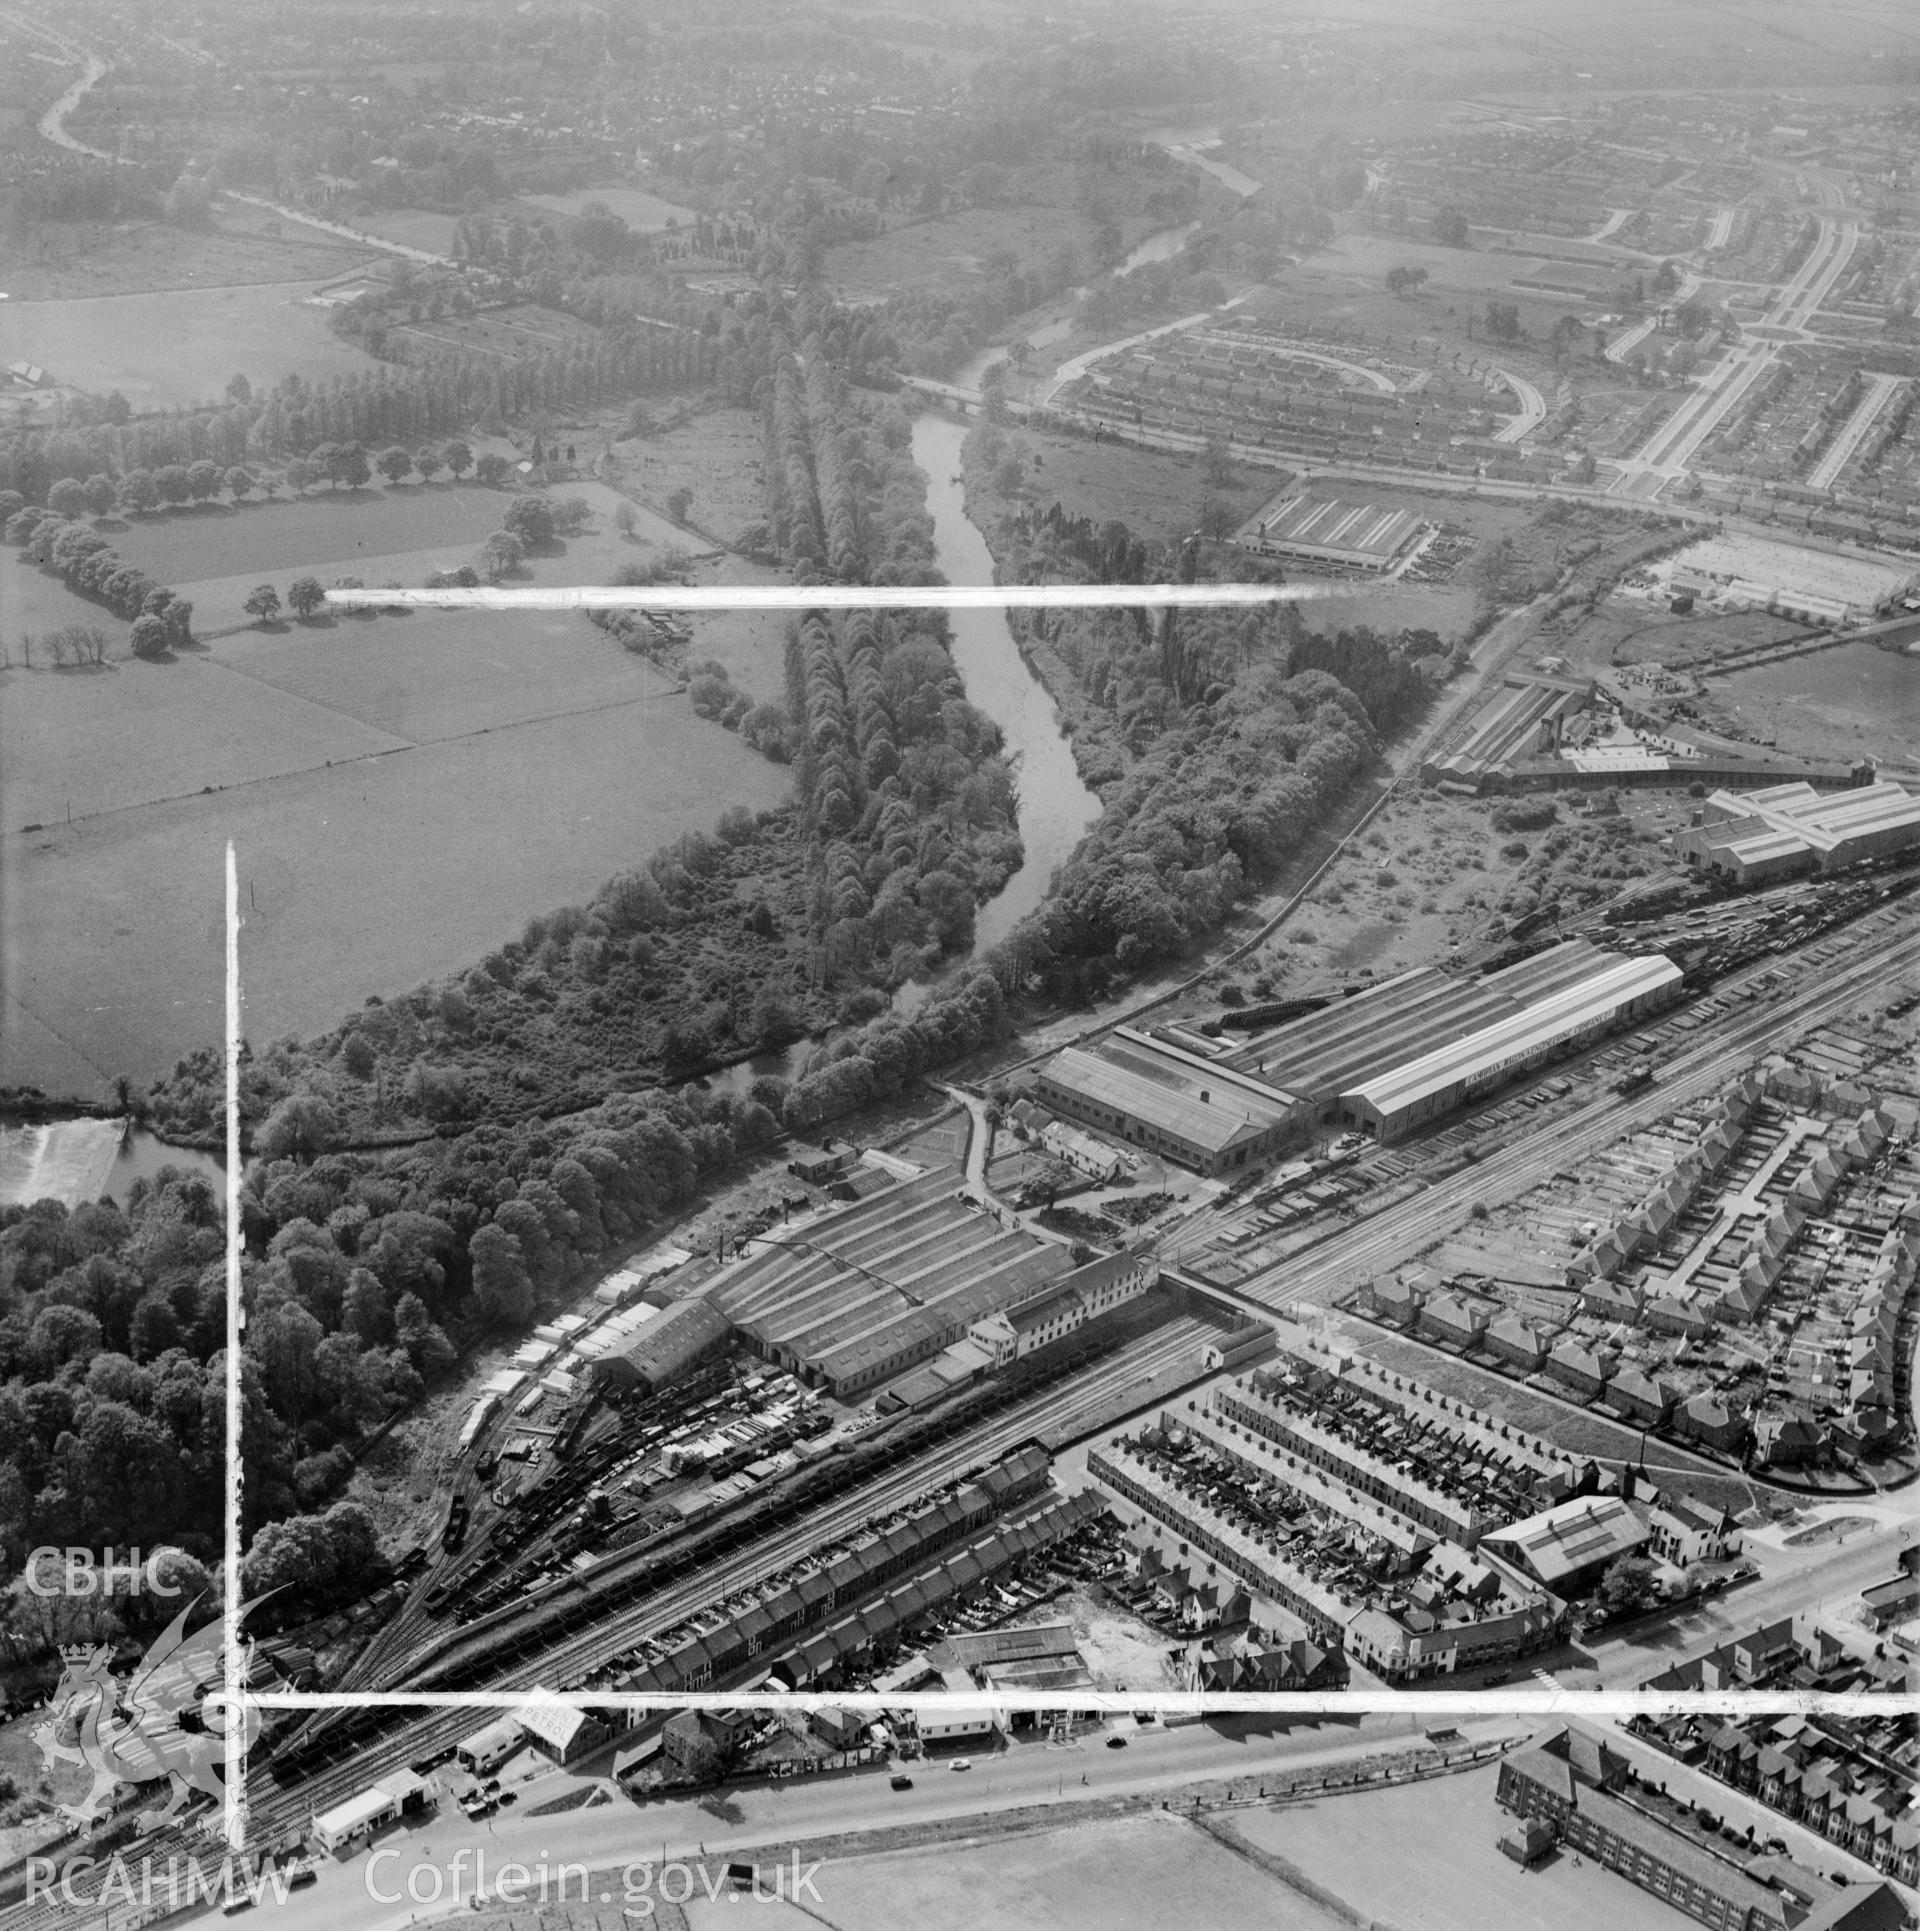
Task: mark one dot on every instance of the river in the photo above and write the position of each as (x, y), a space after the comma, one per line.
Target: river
(86, 1159)
(1055, 807)
(1162, 245)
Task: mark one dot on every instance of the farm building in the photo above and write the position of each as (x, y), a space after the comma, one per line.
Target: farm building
(1783, 829)
(1357, 536)
(884, 1285)
(1204, 1113)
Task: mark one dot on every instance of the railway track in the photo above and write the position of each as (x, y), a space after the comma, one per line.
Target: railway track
(1061, 1411)
(1400, 1231)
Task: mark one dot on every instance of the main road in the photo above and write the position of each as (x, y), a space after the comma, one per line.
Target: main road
(754, 1817)
(1673, 445)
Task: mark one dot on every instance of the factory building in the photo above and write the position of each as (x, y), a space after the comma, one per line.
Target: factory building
(1391, 1058)
(1077, 1298)
(1353, 536)
(1567, 1548)
(666, 1349)
(1206, 1114)
(1395, 1103)
(1526, 718)
(868, 1293)
(1333, 1051)
(1785, 829)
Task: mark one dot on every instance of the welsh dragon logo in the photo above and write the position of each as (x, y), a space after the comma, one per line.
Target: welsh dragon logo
(169, 1720)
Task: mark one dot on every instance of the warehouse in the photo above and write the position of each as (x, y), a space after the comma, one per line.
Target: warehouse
(1523, 720)
(1392, 1104)
(1328, 1053)
(1356, 536)
(1390, 1058)
(1568, 1548)
(868, 1293)
(663, 1350)
(1206, 1114)
(1787, 828)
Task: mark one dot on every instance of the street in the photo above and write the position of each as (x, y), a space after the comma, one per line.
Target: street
(1156, 1761)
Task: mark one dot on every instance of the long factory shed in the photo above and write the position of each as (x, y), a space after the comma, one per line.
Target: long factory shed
(1391, 1058)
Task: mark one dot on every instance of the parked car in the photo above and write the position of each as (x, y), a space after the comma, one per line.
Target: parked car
(961, 1763)
(1116, 1743)
(902, 1783)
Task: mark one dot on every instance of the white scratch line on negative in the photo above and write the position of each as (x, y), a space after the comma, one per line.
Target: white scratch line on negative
(1543, 1701)
(235, 1685)
(843, 596)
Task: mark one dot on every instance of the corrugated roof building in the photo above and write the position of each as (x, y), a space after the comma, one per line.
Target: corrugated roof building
(1566, 1548)
(1151, 1093)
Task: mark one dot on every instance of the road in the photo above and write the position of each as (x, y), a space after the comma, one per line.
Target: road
(1854, 433)
(1791, 1580)
(1533, 409)
(1076, 366)
(1623, 346)
(53, 123)
(1156, 1761)
(1673, 445)
(53, 127)
(1081, 1403)
(340, 228)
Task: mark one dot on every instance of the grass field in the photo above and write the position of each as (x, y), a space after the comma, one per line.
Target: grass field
(949, 251)
(411, 227)
(1137, 1874)
(715, 455)
(645, 213)
(33, 602)
(1426, 1857)
(180, 345)
(329, 529)
(216, 555)
(396, 816)
(58, 261)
